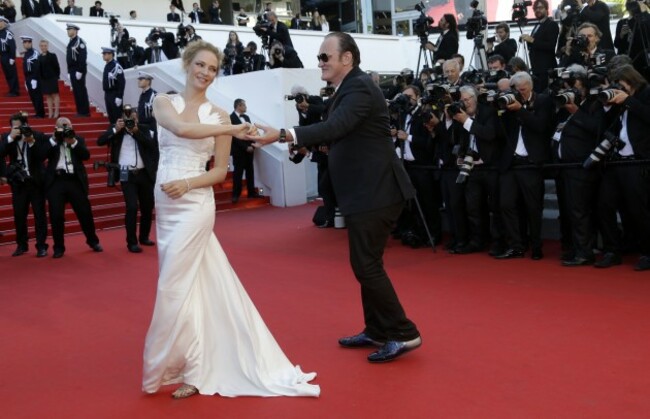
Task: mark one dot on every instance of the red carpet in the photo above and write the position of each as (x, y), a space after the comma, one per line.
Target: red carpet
(502, 339)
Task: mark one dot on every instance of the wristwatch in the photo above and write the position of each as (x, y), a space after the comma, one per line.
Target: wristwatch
(283, 136)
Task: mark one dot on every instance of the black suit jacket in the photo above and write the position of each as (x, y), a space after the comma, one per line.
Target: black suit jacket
(47, 9)
(35, 154)
(173, 17)
(582, 132)
(536, 126)
(598, 14)
(147, 147)
(281, 33)
(638, 122)
(365, 171)
(28, 11)
(239, 147)
(448, 46)
(79, 154)
(506, 49)
(484, 128)
(542, 50)
(421, 145)
(96, 11)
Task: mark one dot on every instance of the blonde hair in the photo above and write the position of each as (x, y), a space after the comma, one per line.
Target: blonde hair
(195, 47)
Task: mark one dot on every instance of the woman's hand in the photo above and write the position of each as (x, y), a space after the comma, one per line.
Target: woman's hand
(176, 188)
(268, 136)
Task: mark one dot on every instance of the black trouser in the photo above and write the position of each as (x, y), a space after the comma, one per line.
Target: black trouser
(428, 194)
(582, 198)
(36, 96)
(80, 93)
(529, 185)
(383, 314)
(243, 162)
(11, 75)
(629, 186)
(326, 191)
(22, 196)
(64, 189)
(483, 188)
(114, 112)
(138, 190)
(453, 195)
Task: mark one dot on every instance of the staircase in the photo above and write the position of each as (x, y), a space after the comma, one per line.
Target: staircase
(107, 203)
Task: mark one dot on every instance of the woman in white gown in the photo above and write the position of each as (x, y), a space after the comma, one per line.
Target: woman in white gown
(205, 332)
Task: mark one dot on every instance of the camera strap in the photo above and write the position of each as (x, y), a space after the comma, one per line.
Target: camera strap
(23, 155)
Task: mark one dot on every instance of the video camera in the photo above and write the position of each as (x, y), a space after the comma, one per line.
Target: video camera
(475, 23)
(520, 12)
(422, 25)
(262, 29)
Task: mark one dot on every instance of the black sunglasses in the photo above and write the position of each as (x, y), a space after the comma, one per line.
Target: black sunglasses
(323, 57)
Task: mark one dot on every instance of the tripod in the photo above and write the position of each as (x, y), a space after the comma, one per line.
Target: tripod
(428, 58)
(402, 147)
(525, 44)
(479, 53)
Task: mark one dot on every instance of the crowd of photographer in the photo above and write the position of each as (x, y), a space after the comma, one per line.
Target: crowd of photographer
(578, 115)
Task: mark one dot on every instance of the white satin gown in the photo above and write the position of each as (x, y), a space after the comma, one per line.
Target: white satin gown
(205, 330)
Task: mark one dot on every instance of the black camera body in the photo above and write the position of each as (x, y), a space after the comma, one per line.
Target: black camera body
(520, 12)
(61, 134)
(400, 103)
(422, 25)
(566, 96)
(580, 43)
(299, 98)
(16, 173)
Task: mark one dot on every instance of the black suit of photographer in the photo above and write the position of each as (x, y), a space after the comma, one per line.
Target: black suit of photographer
(580, 135)
(287, 59)
(584, 59)
(598, 14)
(280, 32)
(639, 43)
(542, 51)
(628, 184)
(66, 181)
(528, 184)
(137, 180)
(507, 49)
(31, 190)
(483, 182)
(447, 47)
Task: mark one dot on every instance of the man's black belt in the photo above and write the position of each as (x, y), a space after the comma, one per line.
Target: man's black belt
(619, 157)
(62, 173)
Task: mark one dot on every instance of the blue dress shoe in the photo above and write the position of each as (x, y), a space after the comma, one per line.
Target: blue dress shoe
(393, 349)
(358, 341)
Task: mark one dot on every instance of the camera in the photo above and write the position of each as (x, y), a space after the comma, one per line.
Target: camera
(580, 43)
(571, 11)
(400, 103)
(299, 98)
(475, 23)
(472, 77)
(466, 166)
(25, 131)
(455, 108)
(505, 99)
(491, 39)
(113, 22)
(154, 34)
(327, 91)
(16, 173)
(607, 145)
(61, 134)
(566, 96)
(421, 27)
(262, 29)
(112, 170)
(129, 121)
(520, 11)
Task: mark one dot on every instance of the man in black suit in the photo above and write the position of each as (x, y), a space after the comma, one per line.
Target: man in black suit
(76, 55)
(173, 16)
(243, 154)
(26, 149)
(71, 9)
(30, 8)
(371, 187)
(447, 43)
(528, 124)
(506, 46)
(296, 22)
(96, 10)
(135, 154)
(541, 45)
(597, 12)
(66, 181)
(50, 6)
(586, 56)
(278, 31)
(196, 15)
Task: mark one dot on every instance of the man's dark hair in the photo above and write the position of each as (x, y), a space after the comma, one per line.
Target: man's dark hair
(542, 2)
(517, 64)
(238, 102)
(18, 116)
(460, 57)
(346, 43)
(628, 74)
(504, 26)
(252, 44)
(414, 88)
(497, 57)
(451, 20)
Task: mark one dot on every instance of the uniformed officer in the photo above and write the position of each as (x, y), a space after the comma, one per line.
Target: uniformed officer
(145, 102)
(113, 83)
(76, 59)
(32, 72)
(8, 56)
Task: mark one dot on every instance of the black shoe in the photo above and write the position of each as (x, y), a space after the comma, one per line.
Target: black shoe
(41, 253)
(510, 254)
(19, 251)
(11, 94)
(254, 195)
(147, 242)
(57, 254)
(134, 248)
(496, 249)
(644, 264)
(609, 259)
(82, 115)
(235, 199)
(578, 261)
(358, 341)
(97, 247)
(567, 255)
(393, 349)
(536, 254)
(326, 224)
(467, 249)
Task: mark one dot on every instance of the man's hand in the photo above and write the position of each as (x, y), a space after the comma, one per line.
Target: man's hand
(118, 101)
(401, 135)
(619, 98)
(34, 84)
(461, 116)
(302, 106)
(15, 132)
(267, 136)
(527, 38)
(119, 125)
(571, 107)
(70, 141)
(515, 106)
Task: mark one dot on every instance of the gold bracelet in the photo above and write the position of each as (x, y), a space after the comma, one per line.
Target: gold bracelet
(187, 182)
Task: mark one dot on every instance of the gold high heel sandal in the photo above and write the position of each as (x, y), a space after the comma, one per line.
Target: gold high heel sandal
(184, 391)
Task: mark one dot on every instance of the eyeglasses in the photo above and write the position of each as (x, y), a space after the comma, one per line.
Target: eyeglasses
(323, 57)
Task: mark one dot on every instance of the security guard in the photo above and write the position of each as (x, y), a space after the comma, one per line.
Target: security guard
(32, 72)
(8, 56)
(113, 83)
(145, 102)
(76, 56)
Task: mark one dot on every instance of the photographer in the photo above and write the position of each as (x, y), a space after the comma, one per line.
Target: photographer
(506, 47)
(120, 42)
(416, 147)
(197, 15)
(478, 139)
(215, 13)
(249, 60)
(528, 138)
(639, 39)
(134, 158)
(169, 46)
(597, 12)
(578, 137)
(283, 57)
(629, 183)
(26, 150)
(233, 48)
(137, 53)
(447, 43)
(66, 181)
(277, 31)
(541, 45)
(113, 83)
(585, 48)
(8, 10)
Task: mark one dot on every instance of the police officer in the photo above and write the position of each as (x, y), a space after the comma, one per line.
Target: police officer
(113, 83)
(136, 154)
(145, 102)
(32, 72)
(26, 149)
(8, 56)
(76, 55)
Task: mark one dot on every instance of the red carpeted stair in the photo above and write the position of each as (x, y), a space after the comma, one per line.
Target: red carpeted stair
(107, 203)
